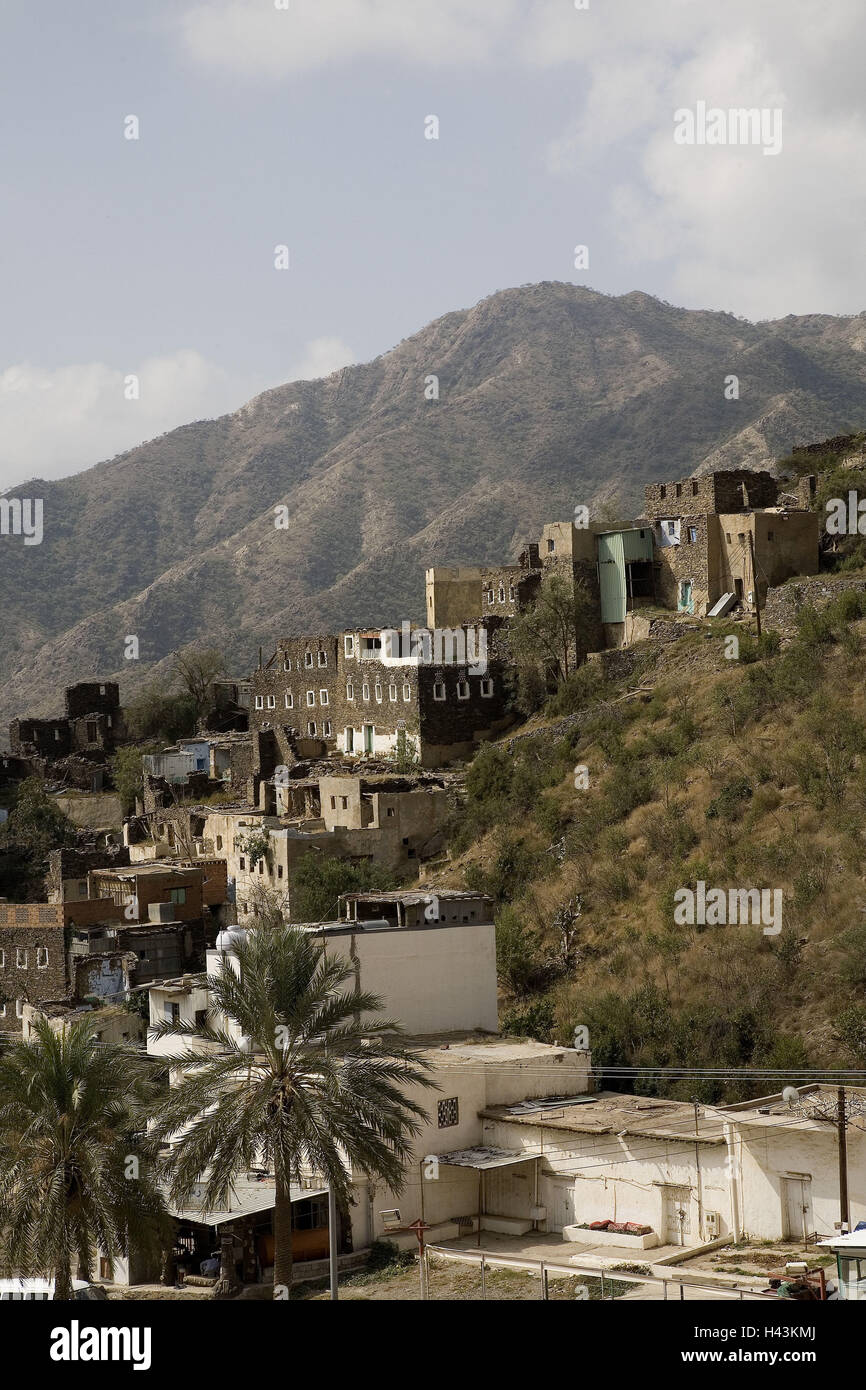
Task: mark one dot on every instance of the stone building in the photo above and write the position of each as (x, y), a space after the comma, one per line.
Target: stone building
(92, 724)
(725, 534)
(33, 962)
(365, 693)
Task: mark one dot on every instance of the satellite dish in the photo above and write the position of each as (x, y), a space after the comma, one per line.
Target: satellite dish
(791, 1095)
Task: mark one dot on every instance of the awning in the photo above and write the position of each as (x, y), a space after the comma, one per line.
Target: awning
(483, 1158)
(243, 1201)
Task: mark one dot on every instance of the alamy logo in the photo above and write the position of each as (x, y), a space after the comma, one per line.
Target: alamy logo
(22, 516)
(846, 517)
(439, 646)
(716, 907)
(736, 126)
(77, 1343)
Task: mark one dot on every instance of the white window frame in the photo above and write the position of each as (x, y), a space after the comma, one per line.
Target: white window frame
(311, 728)
(2, 960)
(350, 690)
(407, 692)
(19, 952)
(323, 697)
(486, 687)
(502, 593)
(439, 685)
(380, 693)
(322, 657)
(272, 702)
(260, 702)
(42, 951)
(311, 699)
(348, 645)
(287, 663)
(290, 700)
(326, 729)
(365, 691)
(490, 598)
(19, 1008)
(392, 692)
(463, 691)
(308, 660)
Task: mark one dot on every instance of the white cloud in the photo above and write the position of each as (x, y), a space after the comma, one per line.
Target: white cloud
(253, 37)
(54, 421)
(322, 356)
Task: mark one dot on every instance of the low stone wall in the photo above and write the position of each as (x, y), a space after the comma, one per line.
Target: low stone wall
(780, 609)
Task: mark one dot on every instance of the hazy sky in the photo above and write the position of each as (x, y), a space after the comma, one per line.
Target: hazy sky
(304, 126)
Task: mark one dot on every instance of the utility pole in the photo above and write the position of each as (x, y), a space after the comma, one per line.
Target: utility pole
(332, 1240)
(419, 1227)
(841, 1124)
(755, 581)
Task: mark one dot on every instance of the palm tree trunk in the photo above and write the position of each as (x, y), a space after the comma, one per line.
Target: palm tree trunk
(63, 1280)
(282, 1234)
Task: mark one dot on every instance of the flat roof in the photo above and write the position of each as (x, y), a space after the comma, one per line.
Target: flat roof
(156, 867)
(413, 897)
(612, 1112)
(814, 1107)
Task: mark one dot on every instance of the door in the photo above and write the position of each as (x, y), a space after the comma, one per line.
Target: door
(368, 738)
(563, 1205)
(676, 1214)
(350, 740)
(685, 603)
(796, 1208)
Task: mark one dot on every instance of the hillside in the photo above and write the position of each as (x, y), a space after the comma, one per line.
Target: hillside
(550, 395)
(742, 774)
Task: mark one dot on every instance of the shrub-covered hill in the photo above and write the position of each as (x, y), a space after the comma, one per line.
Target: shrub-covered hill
(747, 773)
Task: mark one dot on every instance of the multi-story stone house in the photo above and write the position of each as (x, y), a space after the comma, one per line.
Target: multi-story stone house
(434, 693)
(726, 534)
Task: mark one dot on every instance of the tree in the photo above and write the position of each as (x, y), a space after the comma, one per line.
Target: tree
(128, 774)
(77, 1170)
(196, 669)
(305, 1086)
(37, 823)
(550, 639)
(318, 880)
(154, 715)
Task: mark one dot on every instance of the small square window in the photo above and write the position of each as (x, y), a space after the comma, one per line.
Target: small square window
(694, 489)
(333, 803)
(272, 702)
(487, 688)
(448, 1112)
(344, 803)
(20, 958)
(489, 595)
(365, 691)
(389, 811)
(770, 535)
(679, 487)
(551, 546)
(379, 694)
(177, 895)
(308, 658)
(348, 646)
(311, 698)
(323, 697)
(311, 729)
(462, 690)
(439, 690)
(407, 692)
(350, 691)
(290, 699)
(260, 702)
(663, 492)
(19, 1008)
(323, 658)
(392, 692)
(502, 593)
(287, 665)
(693, 535)
(326, 729)
(511, 593)
(41, 957)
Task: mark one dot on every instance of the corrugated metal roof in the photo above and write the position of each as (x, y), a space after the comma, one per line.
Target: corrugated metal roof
(485, 1158)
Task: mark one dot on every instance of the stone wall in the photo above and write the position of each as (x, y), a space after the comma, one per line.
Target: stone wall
(780, 609)
(25, 929)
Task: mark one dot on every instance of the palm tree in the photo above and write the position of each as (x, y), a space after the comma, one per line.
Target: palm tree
(73, 1156)
(302, 1085)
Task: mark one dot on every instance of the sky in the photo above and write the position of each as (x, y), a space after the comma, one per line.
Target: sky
(139, 285)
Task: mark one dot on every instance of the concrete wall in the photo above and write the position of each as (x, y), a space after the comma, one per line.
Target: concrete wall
(432, 979)
(94, 810)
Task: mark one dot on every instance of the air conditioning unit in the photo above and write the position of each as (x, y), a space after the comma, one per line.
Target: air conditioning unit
(712, 1225)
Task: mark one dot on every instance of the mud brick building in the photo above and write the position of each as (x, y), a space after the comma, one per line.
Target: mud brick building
(361, 692)
(725, 533)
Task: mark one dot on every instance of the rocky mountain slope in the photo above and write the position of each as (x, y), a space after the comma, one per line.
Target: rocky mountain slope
(549, 395)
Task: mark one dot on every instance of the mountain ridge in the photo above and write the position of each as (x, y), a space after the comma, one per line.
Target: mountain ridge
(550, 395)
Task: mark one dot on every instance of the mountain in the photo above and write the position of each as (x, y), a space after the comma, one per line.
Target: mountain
(549, 395)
